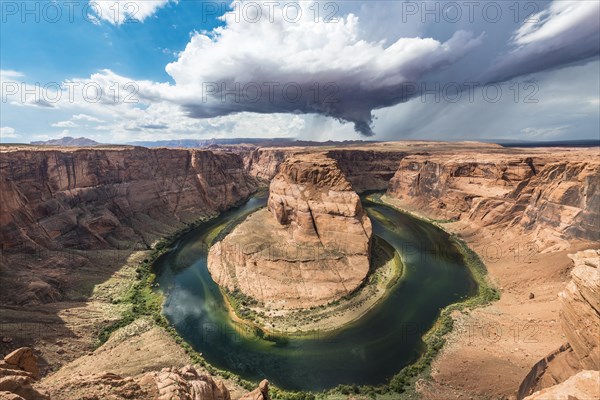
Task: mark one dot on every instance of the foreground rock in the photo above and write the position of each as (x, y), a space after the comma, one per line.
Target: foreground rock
(185, 383)
(584, 385)
(260, 393)
(18, 372)
(580, 312)
(309, 248)
(580, 321)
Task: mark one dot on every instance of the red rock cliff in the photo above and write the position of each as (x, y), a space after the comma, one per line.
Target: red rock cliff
(552, 198)
(110, 198)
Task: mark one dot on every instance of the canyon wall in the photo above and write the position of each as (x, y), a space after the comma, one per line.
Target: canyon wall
(580, 309)
(553, 198)
(368, 169)
(310, 247)
(365, 169)
(264, 163)
(120, 198)
(580, 322)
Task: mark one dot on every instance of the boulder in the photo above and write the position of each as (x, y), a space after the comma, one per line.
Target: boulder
(25, 359)
(260, 393)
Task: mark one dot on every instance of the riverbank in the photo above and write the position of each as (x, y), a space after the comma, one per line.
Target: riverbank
(410, 379)
(389, 321)
(401, 383)
(492, 348)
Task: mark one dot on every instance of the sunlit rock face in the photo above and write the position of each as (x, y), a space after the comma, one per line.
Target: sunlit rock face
(308, 248)
(318, 203)
(580, 308)
(583, 385)
(553, 198)
(100, 201)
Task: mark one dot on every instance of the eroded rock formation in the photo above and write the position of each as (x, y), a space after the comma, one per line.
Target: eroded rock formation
(18, 372)
(186, 383)
(555, 199)
(316, 200)
(580, 309)
(368, 169)
(583, 385)
(580, 322)
(101, 199)
(309, 248)
(260, 393)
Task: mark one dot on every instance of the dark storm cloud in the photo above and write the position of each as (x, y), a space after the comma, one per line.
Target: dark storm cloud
(566, 33)
(306, 68)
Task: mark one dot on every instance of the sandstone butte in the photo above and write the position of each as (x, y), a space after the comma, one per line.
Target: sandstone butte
(311, 246)
(75, 222)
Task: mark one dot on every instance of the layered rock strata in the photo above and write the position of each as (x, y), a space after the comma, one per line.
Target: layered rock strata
(580, 309)
(310, 247)
(57, 203)
(18, 372)
(552, 198)
(580, 322)
(583, 385)
(368, 169)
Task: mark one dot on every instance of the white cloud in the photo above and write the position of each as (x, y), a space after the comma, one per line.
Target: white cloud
(119, 12)
(87, 118)
(64, 124)
(8, 132)
(560, 18)
(367, 74)
(335, 71)
(10, 75)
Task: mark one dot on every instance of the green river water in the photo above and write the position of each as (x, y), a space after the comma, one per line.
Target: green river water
(368, 351)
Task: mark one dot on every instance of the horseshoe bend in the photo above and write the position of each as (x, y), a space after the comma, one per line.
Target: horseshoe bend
(146, 272)
(299, 200)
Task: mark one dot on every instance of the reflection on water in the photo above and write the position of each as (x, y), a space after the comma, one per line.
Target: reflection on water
(369, 351)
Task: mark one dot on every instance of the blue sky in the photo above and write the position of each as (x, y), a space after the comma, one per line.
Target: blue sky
(68, 47)
(395, 70)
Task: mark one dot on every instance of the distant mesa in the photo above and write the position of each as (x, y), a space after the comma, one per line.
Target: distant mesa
(67, 141)
(256, 142)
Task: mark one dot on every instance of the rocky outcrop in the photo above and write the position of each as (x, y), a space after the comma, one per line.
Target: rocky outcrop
(58, 201)
(25, 360)
(365, 169)
(580, 308)
(186, 383)
(316, 200)
(583, 385)
(18, 372)
(554, 199)
(309, 248)
(553, 369)
(260, 393)
(580, 321)
(264, 163)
